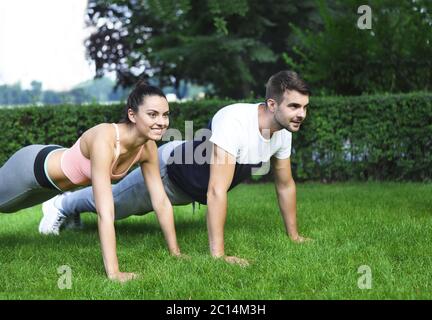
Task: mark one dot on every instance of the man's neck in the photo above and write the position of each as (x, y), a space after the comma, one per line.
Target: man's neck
(266, 121)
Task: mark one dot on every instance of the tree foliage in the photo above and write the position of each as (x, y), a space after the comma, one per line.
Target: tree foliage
(232, 46)
(393, 56)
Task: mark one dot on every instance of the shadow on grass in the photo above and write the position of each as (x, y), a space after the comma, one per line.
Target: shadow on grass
(143, 227)
(88, 236)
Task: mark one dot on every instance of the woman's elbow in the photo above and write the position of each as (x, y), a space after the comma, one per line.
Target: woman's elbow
(162, 205)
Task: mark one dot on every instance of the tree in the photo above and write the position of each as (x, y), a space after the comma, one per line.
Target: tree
(232, 46)
(36, 91)
(51, 97)
(393, 56)
(13, 94)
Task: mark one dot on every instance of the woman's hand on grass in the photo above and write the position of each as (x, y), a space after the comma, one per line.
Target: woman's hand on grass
(300, 239)
(236, 260)
(123, 277)
(175, 252)
(182, 256)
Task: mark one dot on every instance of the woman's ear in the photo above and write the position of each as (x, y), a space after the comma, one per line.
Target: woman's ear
(131, 115)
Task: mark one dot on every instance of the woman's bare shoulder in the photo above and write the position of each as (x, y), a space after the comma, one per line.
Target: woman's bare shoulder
(100, 131)
(149, 150)
(95, 137)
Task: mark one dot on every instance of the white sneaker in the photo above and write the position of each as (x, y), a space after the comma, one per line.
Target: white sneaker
(52, 218)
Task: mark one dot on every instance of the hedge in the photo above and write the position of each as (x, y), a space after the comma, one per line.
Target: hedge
(382, 137)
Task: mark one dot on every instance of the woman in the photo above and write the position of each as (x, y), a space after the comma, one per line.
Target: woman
(103, 153)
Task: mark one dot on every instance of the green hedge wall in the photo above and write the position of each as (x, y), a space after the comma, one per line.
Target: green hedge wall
(344, 138)
(366, 138)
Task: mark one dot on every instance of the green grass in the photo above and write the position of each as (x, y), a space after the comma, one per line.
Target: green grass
(386, 226)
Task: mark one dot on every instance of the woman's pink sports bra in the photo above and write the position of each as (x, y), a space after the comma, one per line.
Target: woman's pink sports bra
(77, 168)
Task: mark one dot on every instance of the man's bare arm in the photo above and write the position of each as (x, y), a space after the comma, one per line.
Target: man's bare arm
(287, 197)
(221, 174)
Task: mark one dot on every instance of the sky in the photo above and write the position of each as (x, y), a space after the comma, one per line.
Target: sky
(43, 40)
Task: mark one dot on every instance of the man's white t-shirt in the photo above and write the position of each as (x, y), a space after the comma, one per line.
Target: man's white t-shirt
(235, 129)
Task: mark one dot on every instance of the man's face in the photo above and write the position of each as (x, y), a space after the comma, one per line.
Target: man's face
(291, 112)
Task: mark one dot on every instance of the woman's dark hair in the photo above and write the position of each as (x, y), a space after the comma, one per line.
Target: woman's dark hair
(136, 97)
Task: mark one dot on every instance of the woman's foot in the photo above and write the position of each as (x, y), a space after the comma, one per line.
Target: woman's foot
(53, 218)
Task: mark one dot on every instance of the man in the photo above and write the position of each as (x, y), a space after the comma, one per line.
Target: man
(243, 137)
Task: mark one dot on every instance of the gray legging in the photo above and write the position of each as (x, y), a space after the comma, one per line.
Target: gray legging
(19, 188)
(131, 195)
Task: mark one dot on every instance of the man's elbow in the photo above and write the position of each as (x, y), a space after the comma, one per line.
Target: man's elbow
(216, 193)
(288, 184)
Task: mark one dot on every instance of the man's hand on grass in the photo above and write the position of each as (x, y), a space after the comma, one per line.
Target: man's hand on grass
(300, 239)
(122, 277)
(236, 260)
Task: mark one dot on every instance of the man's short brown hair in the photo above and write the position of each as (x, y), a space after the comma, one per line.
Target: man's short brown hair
(285, 80)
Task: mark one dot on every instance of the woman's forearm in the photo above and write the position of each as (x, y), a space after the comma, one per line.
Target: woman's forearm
(108, 245)
(165, 217)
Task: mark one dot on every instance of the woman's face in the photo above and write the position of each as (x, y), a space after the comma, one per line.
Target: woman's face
(152, 118)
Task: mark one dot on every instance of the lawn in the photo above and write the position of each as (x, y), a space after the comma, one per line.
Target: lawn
(384, 226)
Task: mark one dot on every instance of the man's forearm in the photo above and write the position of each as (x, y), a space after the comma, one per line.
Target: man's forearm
(288, 207)
(216, 216)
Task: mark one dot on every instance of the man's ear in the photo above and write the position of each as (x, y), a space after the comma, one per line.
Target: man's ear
(271, 104)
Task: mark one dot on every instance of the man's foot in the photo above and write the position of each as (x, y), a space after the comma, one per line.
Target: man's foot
(53, 218)
(73, 222)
